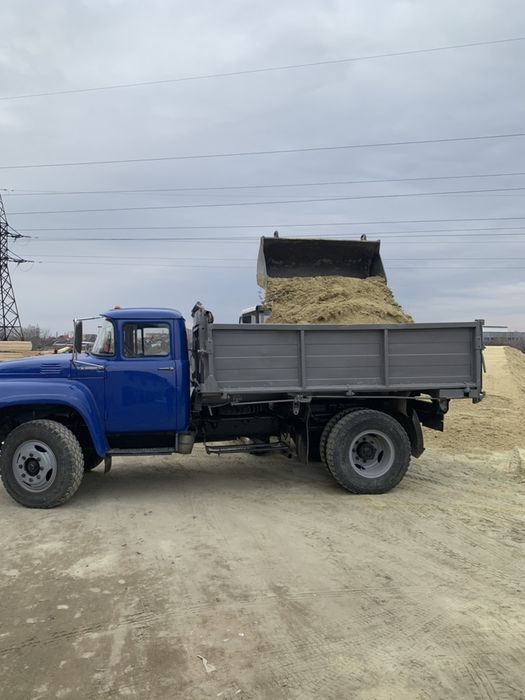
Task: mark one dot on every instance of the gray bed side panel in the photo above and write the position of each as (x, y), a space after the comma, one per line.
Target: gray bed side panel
(438, 355)
(256, 359)
(301, 357)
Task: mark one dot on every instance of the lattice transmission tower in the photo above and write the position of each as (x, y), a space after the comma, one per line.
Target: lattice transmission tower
(10, 327)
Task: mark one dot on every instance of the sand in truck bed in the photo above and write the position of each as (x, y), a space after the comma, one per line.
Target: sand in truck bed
(328, 299)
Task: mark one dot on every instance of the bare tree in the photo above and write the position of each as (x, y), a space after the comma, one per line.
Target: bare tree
(40, 337)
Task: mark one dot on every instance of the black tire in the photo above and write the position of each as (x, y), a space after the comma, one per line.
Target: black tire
(368, 452)
(91, 459)
(328, 429)
(56, 448)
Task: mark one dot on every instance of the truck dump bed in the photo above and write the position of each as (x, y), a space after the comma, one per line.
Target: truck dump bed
(443, 360)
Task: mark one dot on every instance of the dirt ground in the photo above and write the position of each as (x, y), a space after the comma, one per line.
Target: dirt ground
(286, 585)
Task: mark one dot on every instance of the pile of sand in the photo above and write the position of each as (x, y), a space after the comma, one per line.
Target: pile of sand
(498, 422)
(332, 300)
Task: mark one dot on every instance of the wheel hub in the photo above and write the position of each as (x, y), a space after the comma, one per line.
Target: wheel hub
(371, 454)
(366, 451)
(34, 465)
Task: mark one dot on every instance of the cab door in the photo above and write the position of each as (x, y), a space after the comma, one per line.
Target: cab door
(141, 384)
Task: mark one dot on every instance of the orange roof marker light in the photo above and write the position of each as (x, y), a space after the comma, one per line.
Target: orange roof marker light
(117, 306)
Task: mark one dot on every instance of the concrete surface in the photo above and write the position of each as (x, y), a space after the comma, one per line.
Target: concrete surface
(285, 584)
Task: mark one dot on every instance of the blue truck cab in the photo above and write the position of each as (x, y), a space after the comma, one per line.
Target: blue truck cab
(138, 372)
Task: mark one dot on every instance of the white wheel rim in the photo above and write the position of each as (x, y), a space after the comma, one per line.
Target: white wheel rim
(34, 466)
(371, 454)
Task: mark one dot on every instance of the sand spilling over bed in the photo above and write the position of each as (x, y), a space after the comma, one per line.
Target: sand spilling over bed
(497, 423)
(328, 299)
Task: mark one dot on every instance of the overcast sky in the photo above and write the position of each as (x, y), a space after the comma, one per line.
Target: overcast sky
(62, 45)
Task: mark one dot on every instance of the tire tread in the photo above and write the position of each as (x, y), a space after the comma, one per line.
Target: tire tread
(328, 429)
(65, 435)
(336, 435)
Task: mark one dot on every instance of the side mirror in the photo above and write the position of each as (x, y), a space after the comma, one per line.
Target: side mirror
(79, 335)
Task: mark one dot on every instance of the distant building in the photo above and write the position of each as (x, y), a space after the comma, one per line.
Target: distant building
(61, 341)
(502, 336)
(64, 343)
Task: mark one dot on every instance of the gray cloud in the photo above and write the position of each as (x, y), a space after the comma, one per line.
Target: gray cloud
(60, 45)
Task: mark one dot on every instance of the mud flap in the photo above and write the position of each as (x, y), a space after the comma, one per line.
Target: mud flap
(416, 435)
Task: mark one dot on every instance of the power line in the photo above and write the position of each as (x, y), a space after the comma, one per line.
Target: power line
(227, 267)
(309, 200)
(266, 69)
(220, 239)
(274, 225)
(252, 260)
(429, 233)
(140, 264)
(278, 151)
(454, 267)
(155, 257)
(322, 183)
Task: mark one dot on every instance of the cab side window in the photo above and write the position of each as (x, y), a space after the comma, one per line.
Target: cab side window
(146, 340)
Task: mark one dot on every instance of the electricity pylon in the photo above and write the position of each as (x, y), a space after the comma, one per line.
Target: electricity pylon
(10, 327)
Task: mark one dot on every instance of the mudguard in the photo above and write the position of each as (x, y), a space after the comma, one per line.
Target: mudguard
(69, 393)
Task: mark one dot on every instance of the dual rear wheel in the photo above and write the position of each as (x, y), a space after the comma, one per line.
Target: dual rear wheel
(366, 451)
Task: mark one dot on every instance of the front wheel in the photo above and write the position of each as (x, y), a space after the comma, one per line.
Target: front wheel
(41, 464)
(368, 452)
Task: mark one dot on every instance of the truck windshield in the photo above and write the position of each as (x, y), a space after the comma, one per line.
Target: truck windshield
(105, 342)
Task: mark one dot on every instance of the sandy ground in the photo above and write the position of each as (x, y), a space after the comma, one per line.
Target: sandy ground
(498, 422)
(288, 586)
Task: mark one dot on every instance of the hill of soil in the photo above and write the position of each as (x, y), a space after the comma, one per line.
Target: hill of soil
(498, 422)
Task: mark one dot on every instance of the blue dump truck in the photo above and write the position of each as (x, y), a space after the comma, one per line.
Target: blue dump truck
(354, 397)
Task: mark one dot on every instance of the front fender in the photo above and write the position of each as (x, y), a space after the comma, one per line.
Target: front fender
(68, 393)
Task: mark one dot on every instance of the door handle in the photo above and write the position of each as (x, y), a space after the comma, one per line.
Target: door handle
(165, 369)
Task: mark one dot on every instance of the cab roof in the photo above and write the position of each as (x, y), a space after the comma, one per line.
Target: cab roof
(143, 314)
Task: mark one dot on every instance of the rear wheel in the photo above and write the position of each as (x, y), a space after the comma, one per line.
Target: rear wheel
(368, 452)
(41, 464)
(328, 429)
